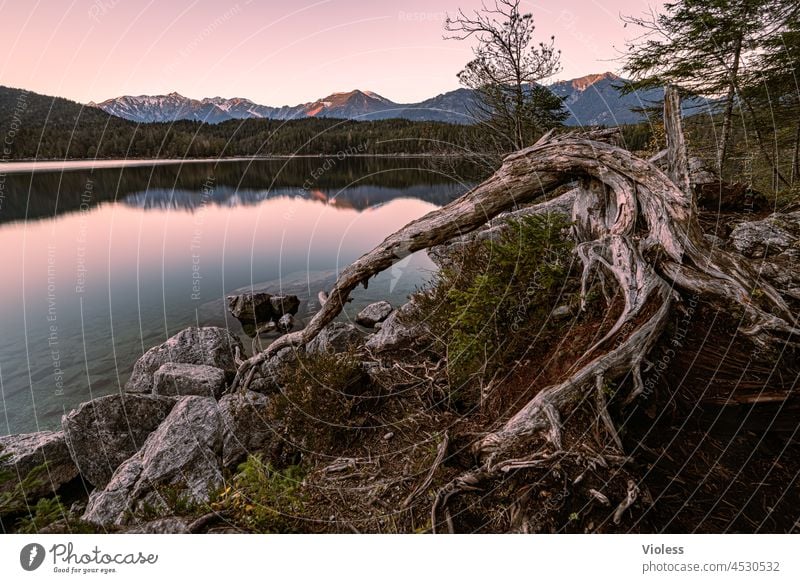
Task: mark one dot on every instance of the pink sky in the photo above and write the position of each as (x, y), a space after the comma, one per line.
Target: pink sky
(274, 53)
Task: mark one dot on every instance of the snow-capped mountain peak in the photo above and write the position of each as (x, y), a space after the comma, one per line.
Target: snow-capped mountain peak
(591, 100)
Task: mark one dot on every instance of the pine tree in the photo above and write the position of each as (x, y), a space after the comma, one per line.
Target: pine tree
(704, 47)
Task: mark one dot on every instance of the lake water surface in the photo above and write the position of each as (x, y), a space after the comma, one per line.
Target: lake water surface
(100, 265)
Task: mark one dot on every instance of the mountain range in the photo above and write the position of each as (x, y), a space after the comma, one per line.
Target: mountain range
(591, 100)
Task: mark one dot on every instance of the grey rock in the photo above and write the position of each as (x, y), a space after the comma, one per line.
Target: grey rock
(27, 451)
(782, 271)
(336, 337)
(179, 379)
(166, 525)
(770, 236)
(256, 309)
(104, 432)
(247, 426)
(374, 314)
(183, 454)
(285, 323)
(212, 346)
(700, 173)
(269, 381)
(403, 329)
(265, 328)
(251, 308)
(561, 312)
(371, 367)
(284, 304)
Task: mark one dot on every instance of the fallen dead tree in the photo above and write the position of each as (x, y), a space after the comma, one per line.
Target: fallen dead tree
(634, 224)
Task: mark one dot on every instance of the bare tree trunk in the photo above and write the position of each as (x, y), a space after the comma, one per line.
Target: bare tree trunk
(761, 142)
(796, 156)
(677, 155)
(727, 117)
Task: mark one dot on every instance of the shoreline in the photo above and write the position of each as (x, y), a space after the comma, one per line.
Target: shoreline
(31, 166)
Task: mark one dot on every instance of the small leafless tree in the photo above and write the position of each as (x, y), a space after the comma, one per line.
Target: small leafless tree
(505, 74)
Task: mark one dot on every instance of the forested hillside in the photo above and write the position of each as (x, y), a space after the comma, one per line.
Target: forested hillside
(42, 127)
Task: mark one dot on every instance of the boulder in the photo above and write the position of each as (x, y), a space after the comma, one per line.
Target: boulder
(247, 426)
(179, 379)
(403, 329)
(561, 312)
(773, 235)
(256, 309)
(182, 456)
(700, 173)
(374, 314)
(284, 304)
(21, 454)
(212, 346)
(251, 308)
(285, 323)
(104, 432)
(269, 381)
(336, 337)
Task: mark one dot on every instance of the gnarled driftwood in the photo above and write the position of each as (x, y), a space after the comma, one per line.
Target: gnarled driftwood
(633, 222)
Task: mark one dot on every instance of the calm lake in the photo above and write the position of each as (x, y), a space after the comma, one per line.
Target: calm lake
(100, 265)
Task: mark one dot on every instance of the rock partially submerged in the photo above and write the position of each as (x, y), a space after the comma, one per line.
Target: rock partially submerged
(104, 432)
(210, 346)
(374, 314)
(179, 379)
(256, 310)
(29, 451)
(183, 456)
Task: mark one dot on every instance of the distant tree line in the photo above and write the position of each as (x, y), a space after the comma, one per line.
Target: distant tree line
(36, 126)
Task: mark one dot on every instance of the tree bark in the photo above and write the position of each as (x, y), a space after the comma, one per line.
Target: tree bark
(677, 155)
(727, 117)
(796, 156)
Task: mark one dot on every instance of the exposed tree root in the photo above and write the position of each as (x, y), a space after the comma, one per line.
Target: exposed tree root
(633, 225)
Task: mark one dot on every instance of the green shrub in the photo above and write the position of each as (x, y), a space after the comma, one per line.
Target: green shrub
(263, 499)
(44, 513)
(317, 398)
(494, 303)
(13, 500)
(31, 519)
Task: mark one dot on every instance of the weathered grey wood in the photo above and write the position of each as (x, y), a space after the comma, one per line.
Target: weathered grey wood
(640, 190)
(632, 223)
(677, 154)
